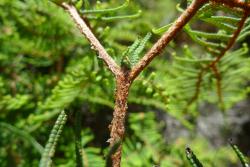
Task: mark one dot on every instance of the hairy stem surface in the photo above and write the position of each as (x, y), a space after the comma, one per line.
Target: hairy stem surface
(117, 127)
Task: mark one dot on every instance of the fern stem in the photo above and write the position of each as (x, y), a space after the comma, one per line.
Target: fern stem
(112, 150)
(94, 42)
(117, 127)
(197, 88)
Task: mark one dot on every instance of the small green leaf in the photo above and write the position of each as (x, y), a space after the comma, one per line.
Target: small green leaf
(194, 162)
(239, 154)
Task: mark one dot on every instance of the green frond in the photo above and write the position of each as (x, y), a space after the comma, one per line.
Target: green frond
(134, 152)
(19, 133)
(220, 24)
(205, 43)
(104, 11)
(133, 47)
(239, 154)
(230, 86)
(226, 25)
(108, 14)
(99, 100)
(190, 67)
(220, 35)
(226, 19)
(165, 107)
(50, 148)
(67, 89)
(47, 66)
(210, 8)
(135, 54)
(245, 31)
(114, 18)
(125, 63)
(86, 4)
(193, 60)
(132, 54)
(162, 29)
(91, 156)
(194, 162)
(178, 8)
(8, 103)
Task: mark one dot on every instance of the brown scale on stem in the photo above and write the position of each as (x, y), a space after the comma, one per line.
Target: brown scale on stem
(117, 126)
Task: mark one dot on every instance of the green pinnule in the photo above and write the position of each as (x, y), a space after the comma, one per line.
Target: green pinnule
(54, 136)
(193, 160)
(239, 154)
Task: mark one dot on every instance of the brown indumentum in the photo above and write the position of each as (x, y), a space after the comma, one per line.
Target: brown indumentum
(117, 127)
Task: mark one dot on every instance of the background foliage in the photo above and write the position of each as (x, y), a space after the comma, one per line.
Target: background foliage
(47, 66)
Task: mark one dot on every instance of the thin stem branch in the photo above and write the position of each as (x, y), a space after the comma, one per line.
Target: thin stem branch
(94, 42)
(197, 89)
(159, 46)
(217, 75)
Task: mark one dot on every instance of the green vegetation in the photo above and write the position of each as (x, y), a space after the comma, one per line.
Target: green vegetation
(57, 96)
